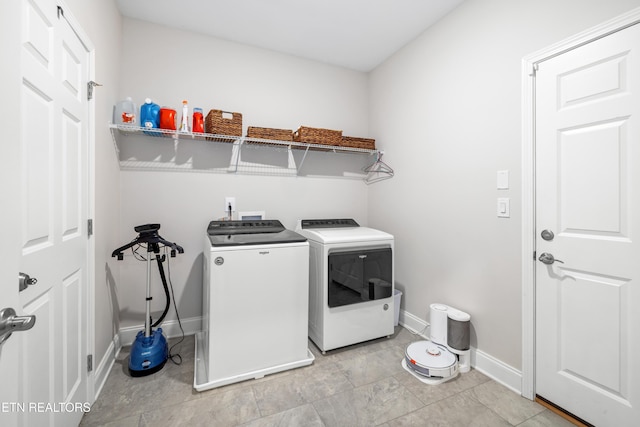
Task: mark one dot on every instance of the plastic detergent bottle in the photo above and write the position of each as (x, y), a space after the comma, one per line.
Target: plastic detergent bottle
(124, 113)
(167, 118)
(149, 115)
(198, 121)
(184, 123)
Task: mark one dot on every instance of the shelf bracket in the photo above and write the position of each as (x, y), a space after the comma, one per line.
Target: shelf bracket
(235, 155)
(306, 150)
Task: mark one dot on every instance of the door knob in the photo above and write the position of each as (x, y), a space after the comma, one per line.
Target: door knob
(10, 323)
(547, 258)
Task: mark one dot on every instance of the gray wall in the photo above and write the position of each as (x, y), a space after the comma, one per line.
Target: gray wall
(447, 111)
(270, 90)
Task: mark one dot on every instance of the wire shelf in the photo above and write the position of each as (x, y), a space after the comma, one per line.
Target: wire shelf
(140, 148)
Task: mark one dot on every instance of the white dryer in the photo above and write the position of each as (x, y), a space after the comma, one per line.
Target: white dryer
(351, 282)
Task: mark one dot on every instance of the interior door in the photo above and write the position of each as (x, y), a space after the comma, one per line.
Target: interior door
(588, 230)
(9, 216)
(49, 211)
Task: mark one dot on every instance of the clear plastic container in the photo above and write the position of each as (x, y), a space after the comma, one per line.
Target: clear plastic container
(124, 113)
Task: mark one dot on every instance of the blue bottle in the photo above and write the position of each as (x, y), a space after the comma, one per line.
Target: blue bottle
(149, 116)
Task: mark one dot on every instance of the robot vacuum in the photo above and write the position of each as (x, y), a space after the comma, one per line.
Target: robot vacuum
(430, 363)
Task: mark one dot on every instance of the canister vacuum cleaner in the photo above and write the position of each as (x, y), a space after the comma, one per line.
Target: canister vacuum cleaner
(150, 350)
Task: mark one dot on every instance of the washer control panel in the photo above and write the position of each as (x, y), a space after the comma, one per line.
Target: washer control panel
(244, 227)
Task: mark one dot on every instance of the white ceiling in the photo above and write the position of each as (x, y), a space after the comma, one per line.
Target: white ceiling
(356, 34)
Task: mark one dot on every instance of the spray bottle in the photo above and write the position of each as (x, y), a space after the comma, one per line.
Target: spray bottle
(184, 123)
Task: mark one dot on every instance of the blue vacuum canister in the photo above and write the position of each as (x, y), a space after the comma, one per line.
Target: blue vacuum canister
(148, 354)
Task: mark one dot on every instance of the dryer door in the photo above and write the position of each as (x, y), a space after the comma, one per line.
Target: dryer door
(359, 276)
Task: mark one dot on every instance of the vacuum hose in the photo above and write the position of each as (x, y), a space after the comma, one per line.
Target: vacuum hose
(160, 260)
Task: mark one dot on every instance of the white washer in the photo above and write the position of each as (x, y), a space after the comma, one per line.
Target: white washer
(351, 276)
(254, 306)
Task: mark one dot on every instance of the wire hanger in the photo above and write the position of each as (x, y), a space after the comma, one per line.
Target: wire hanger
(378, 170)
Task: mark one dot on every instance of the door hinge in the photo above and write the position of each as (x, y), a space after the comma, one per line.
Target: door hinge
(90, 87)
(89, 362)
(89, 227)
(534, 70)
(534, 255)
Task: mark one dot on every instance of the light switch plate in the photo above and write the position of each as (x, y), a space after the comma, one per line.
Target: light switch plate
(504, 210)
(503, 180)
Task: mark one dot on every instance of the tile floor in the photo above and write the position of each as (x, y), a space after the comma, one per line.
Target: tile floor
(361, 385)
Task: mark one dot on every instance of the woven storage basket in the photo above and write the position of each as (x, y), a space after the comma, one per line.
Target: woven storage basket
(357, 142)
(218, 122)
(269, 133)
(318, 136)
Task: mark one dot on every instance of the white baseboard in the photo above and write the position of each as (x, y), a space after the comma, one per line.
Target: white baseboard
(413, 324)
(170, 328)
(102, 370)
(497, 370)
(483, 362)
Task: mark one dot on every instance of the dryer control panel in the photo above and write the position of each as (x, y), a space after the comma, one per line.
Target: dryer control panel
(328, 223)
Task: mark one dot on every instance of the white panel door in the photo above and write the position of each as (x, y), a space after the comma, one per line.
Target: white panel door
(9, 215)
(49, 209)
(588, 196)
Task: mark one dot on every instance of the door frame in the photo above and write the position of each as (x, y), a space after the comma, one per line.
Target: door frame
(89, 300)
(529, 66)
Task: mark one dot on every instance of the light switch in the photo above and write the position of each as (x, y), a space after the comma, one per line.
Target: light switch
(503, 180)
(504, 210)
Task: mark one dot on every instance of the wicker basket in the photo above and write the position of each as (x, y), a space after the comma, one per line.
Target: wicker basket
(318, 136)
(269, 133)
(357, 142)
(218, 122)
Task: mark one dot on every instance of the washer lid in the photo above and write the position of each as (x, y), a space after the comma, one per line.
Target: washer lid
(254, 232)
(429, 355)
